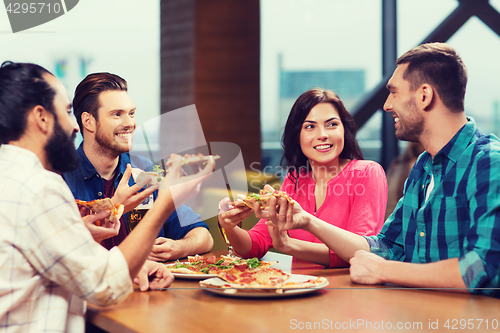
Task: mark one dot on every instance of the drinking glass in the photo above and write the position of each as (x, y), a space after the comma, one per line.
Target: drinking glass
(134, 217)
(228, 243)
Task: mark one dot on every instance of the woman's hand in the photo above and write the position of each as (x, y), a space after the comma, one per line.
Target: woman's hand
(284, 215)
(229, 216)
(182, 188)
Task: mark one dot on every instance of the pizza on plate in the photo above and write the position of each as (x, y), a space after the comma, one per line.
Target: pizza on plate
(97, 206)
(263, 280)
(212, 265)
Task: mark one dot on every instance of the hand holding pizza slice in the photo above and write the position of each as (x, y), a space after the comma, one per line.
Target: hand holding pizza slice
(262, 199)
(190, 159)
(97, 206)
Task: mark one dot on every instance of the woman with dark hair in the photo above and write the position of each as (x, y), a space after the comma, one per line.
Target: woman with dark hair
(327, 176)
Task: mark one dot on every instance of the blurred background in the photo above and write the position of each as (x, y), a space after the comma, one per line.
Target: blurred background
(334, 44)
(243, 63)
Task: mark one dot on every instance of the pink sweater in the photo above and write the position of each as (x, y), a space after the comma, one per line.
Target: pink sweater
(356, 201)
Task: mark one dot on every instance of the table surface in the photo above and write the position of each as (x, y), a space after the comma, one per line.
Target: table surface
(343, 305)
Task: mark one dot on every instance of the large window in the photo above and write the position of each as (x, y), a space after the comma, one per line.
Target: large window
(337, 45)
(120, 37)
(305, 44)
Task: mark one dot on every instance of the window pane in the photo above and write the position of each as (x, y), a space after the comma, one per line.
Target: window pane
(113, 36)
(333, 44)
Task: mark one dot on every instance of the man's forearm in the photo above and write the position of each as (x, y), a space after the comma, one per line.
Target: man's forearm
(198, 240)
(344, 243)
(440, 274)
(137, 246)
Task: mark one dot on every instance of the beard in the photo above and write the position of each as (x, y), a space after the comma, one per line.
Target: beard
(60, 149)
(412, 125)
(106, 146)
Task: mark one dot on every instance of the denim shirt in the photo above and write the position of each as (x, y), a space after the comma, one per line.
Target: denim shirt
(86, 184)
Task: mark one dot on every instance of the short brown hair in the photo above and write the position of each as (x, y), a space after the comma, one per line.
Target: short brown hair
(438, 65)
(87, 93)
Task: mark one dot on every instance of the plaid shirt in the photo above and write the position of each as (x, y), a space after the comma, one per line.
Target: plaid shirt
(460, 219)
(49, 262)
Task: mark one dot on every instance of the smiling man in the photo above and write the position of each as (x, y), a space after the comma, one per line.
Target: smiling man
(106, 116)
(50, 264)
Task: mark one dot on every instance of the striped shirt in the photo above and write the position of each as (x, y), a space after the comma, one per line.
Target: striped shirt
(49, 262)
(460, 219)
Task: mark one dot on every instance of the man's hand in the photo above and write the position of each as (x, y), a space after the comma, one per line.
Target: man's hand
(366, 268)
(182, 188)
(99, 233)
(153, 275)
(283, 215)
(129, 196)
(164, 249)
(230, 217)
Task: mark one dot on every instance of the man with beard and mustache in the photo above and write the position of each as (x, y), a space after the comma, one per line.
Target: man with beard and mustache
(51, 265)
(444, 232)
(106, 116)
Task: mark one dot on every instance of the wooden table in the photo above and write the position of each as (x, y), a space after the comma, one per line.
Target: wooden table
(342, 306)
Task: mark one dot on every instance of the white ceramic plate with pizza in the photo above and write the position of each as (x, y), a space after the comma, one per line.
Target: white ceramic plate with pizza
(218, 286)
(190, 276)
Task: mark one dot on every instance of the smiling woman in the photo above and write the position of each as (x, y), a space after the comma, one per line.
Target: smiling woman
(327, 177)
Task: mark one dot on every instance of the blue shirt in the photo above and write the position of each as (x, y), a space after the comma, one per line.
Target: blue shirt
(460, 219)
(86, 184)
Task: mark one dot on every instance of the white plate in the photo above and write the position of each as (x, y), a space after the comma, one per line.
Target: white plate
(188, 276)
(258, 293)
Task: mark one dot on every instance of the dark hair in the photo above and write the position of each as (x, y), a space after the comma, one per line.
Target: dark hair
(438, 65)
(295, 158)
(22, 87)
(87, 93)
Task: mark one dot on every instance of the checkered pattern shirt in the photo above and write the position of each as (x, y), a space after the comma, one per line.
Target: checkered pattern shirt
(460, 219)
(49, 262)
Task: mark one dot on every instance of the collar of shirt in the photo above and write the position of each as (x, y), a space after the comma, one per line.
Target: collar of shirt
(88, 170)
(22, 156)
(450, 152)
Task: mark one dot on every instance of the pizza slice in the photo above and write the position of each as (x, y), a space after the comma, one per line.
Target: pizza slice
(213, 265)
(245, 277)
(97, 206)
(279, 288)
(262, 199)
(190, 159)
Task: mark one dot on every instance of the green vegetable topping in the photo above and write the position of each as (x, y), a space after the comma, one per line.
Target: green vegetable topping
(158, 170)
(253, 263)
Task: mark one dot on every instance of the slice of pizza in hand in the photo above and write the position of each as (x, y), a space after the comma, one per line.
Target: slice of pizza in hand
(148, 178)
(97, 206)
(262, 199)
(198, 159)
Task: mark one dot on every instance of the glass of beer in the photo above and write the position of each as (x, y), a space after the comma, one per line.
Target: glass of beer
(223, 233)
(136, 214)
(134, 217)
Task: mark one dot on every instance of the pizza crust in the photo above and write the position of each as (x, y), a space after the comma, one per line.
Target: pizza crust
(262, 198)
(97, 206)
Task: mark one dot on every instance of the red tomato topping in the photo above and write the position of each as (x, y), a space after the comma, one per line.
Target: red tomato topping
(212, 260)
